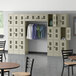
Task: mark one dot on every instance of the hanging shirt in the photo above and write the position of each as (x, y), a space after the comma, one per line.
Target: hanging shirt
(34, 35)
(42, 30)
(29, 31)
(38, 31)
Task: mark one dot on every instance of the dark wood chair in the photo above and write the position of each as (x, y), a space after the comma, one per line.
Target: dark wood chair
(2, 47)
(1, 60)
(28, 68)
(66, 62)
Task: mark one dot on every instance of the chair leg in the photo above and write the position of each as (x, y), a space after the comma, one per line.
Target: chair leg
(72, 70)
(62, 71)
(68, 71)
(8, 73)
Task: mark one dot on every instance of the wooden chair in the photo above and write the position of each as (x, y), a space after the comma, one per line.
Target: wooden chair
(66, 62)
(2, 47)
(1, 59)
(28, 68)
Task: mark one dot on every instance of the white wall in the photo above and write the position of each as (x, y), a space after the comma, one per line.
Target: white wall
(37, 5)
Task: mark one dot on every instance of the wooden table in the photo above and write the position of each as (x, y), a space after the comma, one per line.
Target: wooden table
(7, 65)
(72, 57)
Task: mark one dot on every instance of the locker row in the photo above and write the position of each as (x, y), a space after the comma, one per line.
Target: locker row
(19, 17)
(16, 32)
(16, 46)
(55, 47)
(58, 20)
(59, 33)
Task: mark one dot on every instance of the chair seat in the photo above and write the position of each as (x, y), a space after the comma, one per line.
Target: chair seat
(5, 70)
(21, 74)
(1, 49)
(70, 63)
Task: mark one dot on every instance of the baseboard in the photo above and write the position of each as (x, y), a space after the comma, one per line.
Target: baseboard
(37, 52)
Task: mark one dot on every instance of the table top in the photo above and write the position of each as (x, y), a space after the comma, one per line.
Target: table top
(8, 65)
(72, 57)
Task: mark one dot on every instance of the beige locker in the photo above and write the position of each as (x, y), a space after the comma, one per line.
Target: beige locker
(10, 17)
(50, 47)
(10, 32)
(64, 20)
(50, 33)
(63, 45)
(16, 32)
(10, 46)
(16, 46)
(16, 20)
(21, 32)
(10, 20)
(68, 33)
(56, 20)
(21, 18)
(43, 17)
(21, 46)
(56, 48)
(28, 17)
(56, 33)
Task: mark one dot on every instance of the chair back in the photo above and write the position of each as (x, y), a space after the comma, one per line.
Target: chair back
(66, 53)
(29, 65)
(2, 44)
(1, 57)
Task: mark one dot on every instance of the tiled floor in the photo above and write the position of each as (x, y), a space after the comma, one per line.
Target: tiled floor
(47, 66)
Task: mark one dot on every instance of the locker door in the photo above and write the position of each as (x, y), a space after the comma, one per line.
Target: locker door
(22, 46)
(10, 20)
(21, 18)
(50, 48)
(28, 17)
(22, 32)
(55, 20)
(68, 33)
(16, 46)
(16, 20)
(10, 46)
(56, 48)
(16, 32)
(50, 32)
(43, 17)
(10, 32)
(63, 45)
(56, 33)
(63, 20)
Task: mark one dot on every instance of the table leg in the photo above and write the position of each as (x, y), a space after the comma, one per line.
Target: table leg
(2, 72)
